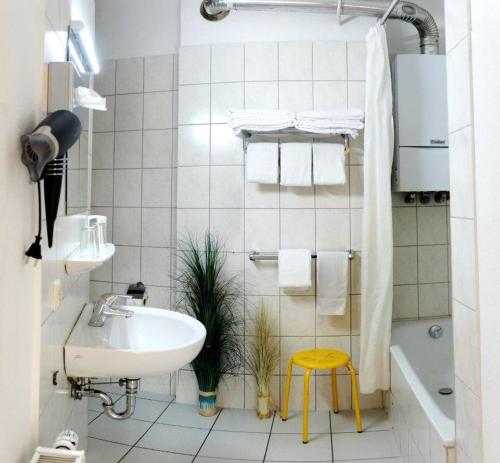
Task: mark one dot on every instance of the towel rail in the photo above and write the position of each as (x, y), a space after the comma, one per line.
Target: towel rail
(255, 255)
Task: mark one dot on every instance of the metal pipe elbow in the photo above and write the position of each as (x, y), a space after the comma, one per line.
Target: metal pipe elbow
(212, 11)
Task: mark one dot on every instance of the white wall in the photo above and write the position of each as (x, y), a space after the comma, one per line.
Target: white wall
(255, 26)
(20, 109)
(132, 28)
(486, 87)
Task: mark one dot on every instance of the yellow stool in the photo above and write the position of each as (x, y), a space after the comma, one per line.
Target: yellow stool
(321, 359)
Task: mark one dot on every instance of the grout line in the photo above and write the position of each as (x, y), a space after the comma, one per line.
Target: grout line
(269, 438)
(147, 430)
(208, 434)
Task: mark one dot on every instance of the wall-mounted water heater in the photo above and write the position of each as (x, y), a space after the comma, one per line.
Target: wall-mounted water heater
(421, 123)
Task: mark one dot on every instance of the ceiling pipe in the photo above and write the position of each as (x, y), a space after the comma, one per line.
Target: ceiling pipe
(422, 20)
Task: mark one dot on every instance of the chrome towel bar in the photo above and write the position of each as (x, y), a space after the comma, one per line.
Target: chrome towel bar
(255, 256)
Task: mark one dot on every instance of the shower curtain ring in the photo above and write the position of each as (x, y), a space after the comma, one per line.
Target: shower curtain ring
(339, 12)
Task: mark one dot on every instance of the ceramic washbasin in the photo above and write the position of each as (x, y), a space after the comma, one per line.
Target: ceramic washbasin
(152, 342)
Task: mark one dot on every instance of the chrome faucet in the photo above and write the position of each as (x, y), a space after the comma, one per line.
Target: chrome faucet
(104, 308)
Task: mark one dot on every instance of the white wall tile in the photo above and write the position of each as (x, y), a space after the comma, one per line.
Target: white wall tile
(103, 148)
(261, 95)
(127, 264)
(226, 186)
(158, 73)
(102, 187)
(194, 104)
(405, 265)
(225, 97)
(130, 75)
(297, 227)
(296, 96)
(330, 60)
(297, 198)
(228, 62)
(128, 149)
(332, 197)
(330, 95)
(105, 81)
(104, 121)
(156, 227)
(432, 225)
(291, 67)
(464, 261)
(433, 299)
(129, 112)
(261, 61)
(226, 148)
(157, 148)
(157, 187)
(468, 421)
(262, 230)
(459, 92)
(332, 229)
(228, 225)
(155, 266)
(457, 22)
(462, 174)
(297, 315)
(158, 110)
(404, 226)
(261, 196)
(405, 301)
(194, 145)
(466, 345)
(194, 65)
(127, 187)
(193, 187)
(127, 226)
(433, 264)
(356, 60)
(191, 222)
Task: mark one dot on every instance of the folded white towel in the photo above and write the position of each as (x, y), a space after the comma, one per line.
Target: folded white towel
(260, 120)
(348, 122)
(328, 164)
(332, 282)
(296, 164)
(294, 268)
(262, 163)
(349, 114)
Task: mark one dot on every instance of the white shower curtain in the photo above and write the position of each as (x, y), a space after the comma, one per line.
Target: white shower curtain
(377, 265)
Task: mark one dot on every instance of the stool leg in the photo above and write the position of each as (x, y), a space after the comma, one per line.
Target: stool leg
(284, 411)
(355, 398)
(305, 422)
(335, 391)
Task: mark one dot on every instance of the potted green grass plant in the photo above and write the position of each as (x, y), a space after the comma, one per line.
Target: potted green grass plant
(262, 360)
(212, 298)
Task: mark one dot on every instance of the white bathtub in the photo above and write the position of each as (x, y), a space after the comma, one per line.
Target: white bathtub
(424, 420)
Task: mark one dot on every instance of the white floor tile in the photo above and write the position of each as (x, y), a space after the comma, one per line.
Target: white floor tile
(373, 420)
(186, 415)
(92, 415)
(354, 446)
(224, 444)
(99, 451)
(377, 460)
(242, 421)
(319, 423)
(289, 448)
(155, 396)
(222, 460)
(121, 432)
(173, 439)
(145, 410)
(138, 455)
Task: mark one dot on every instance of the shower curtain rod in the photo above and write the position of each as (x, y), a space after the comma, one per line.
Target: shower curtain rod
(422, 20)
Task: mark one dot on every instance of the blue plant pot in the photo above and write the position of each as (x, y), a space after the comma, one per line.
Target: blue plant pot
(206, 402)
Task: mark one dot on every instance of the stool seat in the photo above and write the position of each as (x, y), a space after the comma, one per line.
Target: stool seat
(321, 359)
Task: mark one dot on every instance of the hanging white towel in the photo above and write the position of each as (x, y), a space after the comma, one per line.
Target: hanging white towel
(332, 276)
(329, 164)
(294, 268)
(262, 163)
(296, 164)
(377, 265)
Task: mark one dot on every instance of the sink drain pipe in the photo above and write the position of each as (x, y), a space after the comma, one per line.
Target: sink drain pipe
(79, 390)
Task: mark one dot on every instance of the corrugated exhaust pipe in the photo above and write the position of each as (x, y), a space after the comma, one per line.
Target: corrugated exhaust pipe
(215, 10)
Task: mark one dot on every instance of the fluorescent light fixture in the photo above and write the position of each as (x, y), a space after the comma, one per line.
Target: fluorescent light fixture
(75, 57)
(81, 47)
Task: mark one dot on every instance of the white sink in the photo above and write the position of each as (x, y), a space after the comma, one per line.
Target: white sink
(152, 342)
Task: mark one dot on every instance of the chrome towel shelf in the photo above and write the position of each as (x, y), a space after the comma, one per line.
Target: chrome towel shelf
(255, 256)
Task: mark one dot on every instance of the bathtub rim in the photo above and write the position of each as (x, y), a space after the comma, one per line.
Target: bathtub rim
(444, 425)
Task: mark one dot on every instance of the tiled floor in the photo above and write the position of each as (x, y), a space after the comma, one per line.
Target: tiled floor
(165, 432)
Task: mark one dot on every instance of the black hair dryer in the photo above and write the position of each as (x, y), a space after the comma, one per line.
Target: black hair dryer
(45, 155)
